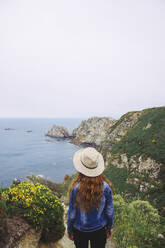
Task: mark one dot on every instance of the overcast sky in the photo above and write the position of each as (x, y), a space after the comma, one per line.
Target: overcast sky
(81, 58)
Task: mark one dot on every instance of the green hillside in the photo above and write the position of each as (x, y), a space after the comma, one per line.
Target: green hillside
(147, 139)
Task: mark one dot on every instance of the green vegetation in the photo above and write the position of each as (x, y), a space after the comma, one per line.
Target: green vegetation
(58, 188)
(39, 206)
(136, 224)
(128, 116)
(118, 177)
(129, 213)
(55, 187)
(146, 138)
(157, 198)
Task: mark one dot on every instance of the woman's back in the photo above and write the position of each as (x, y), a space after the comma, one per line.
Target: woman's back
(90, 213)
(96, 217)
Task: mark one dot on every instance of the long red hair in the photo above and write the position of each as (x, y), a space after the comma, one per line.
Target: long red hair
(90, 191)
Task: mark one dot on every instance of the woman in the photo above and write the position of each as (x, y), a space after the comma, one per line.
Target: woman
(90, 214)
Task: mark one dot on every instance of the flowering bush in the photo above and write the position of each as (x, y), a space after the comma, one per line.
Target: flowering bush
(39, 206)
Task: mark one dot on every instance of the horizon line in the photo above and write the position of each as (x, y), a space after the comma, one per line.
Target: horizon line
(55, 117)
(43, 117)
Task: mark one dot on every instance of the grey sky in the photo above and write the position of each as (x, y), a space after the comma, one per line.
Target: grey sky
(81, 58)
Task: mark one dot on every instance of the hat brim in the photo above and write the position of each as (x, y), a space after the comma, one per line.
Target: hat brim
(84, 170)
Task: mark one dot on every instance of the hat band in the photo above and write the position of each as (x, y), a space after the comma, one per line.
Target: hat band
(88, 166)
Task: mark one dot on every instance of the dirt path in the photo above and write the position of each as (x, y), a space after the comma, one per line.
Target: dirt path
(67, 243)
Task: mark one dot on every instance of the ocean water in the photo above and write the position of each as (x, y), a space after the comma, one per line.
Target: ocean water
(23, 153)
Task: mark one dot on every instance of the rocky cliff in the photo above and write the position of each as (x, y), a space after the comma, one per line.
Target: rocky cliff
(92, 131)
(136, 143)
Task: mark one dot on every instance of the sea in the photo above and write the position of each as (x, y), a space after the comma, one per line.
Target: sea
(25, 150)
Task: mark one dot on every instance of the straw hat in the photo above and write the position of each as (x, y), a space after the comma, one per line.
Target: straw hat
(89, 162)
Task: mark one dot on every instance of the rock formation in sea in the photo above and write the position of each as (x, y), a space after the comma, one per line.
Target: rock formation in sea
(9, 129)
(58, 132)
(92, 131)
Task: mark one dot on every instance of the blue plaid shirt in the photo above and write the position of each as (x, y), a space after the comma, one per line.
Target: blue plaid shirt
(94, 219)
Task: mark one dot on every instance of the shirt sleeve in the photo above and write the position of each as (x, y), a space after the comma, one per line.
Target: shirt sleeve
(109, 210)
(71, 212)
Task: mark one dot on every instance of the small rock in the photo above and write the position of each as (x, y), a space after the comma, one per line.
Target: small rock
(160, 236)
(9, 129)
(16, 181)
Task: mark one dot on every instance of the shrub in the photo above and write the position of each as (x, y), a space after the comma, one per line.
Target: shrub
(147, 222)
(39, 206)
(119, 206)
(135, 224)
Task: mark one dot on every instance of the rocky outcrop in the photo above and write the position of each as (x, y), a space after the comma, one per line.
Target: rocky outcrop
(58, 132)
(19, 234)
(143, 172)
(92, 131)
(30, 240)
